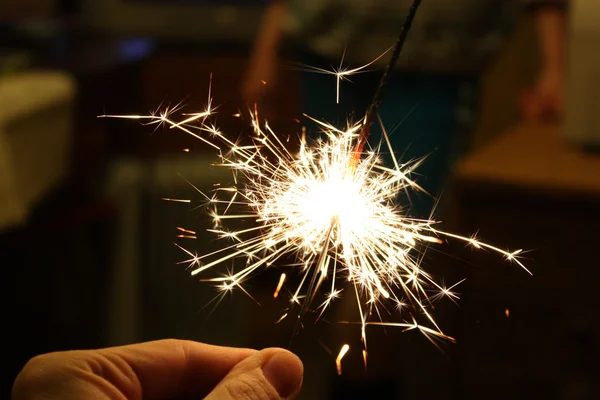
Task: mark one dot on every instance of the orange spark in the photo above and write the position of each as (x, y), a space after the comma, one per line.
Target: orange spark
(185, 230)
(176, 200)
(281, 318)
(279, 285)
(338, 360)
(186, 237)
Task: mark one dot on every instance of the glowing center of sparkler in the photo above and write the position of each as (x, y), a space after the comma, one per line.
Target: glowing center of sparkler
(336, 199)
(336, 212)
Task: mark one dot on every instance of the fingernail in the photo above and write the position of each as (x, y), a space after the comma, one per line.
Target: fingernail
(284, 372)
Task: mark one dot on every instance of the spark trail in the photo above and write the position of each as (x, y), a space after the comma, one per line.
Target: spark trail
(332, 205)
(341, 222)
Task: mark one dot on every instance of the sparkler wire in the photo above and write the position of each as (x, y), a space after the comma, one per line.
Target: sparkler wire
(371, 113)
(362, 140)
(330, 205)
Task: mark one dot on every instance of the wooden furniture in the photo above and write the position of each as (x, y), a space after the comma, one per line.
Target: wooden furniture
(531, 336)
(534, 158)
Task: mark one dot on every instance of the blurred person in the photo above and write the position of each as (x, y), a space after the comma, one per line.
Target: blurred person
(433, 94)
(428, 107)
(164, 369)
(545, 100)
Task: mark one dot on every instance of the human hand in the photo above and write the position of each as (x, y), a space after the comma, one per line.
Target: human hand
(545, 101)
(165, 369)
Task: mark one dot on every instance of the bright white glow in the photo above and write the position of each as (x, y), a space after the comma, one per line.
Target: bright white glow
(335, 210)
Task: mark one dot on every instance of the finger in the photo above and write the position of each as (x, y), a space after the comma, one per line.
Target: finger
(152, 370)
(171, 368)
(270, 374)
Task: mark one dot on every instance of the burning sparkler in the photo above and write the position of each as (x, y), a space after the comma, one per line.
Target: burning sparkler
(342, 221)
(332, 205)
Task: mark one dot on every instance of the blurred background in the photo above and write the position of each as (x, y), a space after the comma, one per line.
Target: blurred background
(86, 243)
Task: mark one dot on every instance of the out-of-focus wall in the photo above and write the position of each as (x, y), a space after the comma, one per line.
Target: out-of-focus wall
(14, 9)
(221, 22)
(582, 125)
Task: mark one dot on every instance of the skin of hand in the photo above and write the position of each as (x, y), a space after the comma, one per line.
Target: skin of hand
(164, 369)
(263, 62)
(545, 100)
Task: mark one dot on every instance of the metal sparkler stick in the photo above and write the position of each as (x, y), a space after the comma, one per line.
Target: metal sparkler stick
(362, 140)
(325, 204)
(374, 107)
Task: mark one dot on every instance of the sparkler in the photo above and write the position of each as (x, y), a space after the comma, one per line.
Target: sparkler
(332, 205)
(372, 110)
(341, 221)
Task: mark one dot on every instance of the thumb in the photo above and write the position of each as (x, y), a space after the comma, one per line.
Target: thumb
(270, 374)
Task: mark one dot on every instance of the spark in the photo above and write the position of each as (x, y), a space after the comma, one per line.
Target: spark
(335, 209)
(444, 291)
(193, 261)
(341, 73)
(507, 313)
(197, 116)
(185, 230)
(176, 200)
(279, 285)
(281, 318)
(186, 237)
(342, 221)
(338, 360)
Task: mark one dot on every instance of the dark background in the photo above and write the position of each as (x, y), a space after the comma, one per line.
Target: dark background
(93, 264)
